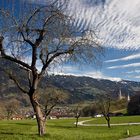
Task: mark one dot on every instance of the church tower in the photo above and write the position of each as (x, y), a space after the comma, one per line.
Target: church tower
(128, 97)
(120, 94)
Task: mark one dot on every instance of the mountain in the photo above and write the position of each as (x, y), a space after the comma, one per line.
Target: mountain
(79, 88)
(87, 88)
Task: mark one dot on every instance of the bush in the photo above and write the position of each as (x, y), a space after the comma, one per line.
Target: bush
(133, 107)
(88, 111)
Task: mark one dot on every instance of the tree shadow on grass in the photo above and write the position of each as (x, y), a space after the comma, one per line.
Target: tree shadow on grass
(25, 134)
(62, 127)
(11, 133)
(26, 124)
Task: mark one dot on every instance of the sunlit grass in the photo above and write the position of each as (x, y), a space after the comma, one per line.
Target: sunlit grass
(123, 119)
(62, 129)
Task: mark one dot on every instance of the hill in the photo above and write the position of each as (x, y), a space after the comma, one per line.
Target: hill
(79, 88)
(87, 88)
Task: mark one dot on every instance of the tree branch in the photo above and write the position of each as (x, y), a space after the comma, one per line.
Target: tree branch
(34, 51)
(57, 54)
(17, 83)
(29, 78)
(8, 57)
(15, 80)
(47, 111)
(26, 40)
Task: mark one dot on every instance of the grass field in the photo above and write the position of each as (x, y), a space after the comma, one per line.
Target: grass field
(116, 120)
(64, 130)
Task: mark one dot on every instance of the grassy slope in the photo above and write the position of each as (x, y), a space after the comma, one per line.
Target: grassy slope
(62, 130)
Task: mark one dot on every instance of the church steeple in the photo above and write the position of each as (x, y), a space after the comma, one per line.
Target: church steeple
(128, 97)
(120, 94)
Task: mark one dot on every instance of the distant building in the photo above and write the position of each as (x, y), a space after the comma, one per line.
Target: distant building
(98, 115)
(128, 97)
(123, 97)
(16, 117)
(120, 95)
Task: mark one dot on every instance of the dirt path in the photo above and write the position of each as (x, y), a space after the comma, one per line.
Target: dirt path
(132, 138)
(82, 123)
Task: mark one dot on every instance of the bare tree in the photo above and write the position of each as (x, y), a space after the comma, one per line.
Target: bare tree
(2, 110)
(77, 112)
(104, 106)
(36, 41)
(50, 97)
(12, 108)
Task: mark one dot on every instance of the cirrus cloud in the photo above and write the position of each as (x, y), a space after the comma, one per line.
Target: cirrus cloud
(116, 22)
(130, 57)
(124, 66)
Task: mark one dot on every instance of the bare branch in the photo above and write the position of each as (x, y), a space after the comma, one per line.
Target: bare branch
(25, 39)
(29, 78)
(13, 78)
(17, 83)
(8, 14)
(8, 57)
(48, 110)
(57, 54)
(15, 60)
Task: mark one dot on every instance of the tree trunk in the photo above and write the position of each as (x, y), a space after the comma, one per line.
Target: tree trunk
(108, 123)
(41, 121)
(76, 122)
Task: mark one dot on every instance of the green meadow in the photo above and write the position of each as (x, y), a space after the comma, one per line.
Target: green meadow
(115, 120)
(64, 129)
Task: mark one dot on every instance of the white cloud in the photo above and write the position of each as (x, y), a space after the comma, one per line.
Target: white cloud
(70, 70)
(100, 75)
(131, 72)
(117, 22)
(133, 76)
(94, 74)
(124, 66)
(67, 70)
(136, 77)
(130, 57)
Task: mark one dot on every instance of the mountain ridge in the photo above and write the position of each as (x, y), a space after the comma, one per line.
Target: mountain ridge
(80, 88)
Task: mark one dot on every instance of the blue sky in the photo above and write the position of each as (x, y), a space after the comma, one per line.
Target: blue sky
(117, 25)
